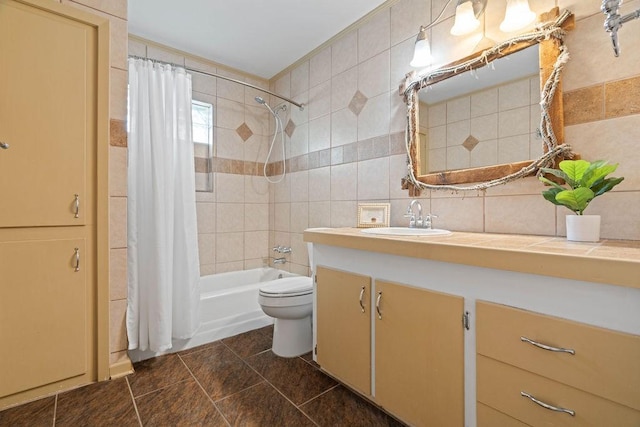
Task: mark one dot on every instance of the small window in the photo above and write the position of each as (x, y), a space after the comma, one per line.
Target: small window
(202, 123)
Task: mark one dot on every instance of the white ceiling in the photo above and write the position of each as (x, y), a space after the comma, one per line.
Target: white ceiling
(261, 37)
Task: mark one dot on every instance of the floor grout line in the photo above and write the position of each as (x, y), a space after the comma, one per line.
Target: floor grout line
(135, 405)
(203, 390)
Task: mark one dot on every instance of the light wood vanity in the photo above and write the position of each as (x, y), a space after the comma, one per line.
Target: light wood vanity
(391, 316)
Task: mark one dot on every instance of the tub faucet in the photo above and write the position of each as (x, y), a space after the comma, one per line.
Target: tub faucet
(282, 249)
(280, 260)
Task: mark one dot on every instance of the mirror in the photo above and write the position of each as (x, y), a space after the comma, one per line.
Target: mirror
(484, 119)
(441, 139)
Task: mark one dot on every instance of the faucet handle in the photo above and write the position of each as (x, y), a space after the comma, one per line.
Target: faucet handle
(427, 219)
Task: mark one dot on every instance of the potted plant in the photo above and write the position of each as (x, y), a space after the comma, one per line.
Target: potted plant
(584, 181)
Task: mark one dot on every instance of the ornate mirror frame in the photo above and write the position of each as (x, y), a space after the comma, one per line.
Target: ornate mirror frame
(553, 55)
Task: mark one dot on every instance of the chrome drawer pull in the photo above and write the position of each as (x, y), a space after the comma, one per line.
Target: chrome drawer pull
(378, 305)
(4, 145)
(361, 302)
(546, 347)
(77, 202)
(77, 267)
(547, 406)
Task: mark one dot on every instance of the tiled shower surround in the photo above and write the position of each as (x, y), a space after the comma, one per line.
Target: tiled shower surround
(347, 145)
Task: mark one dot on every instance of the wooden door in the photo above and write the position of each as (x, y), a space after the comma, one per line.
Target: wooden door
(419, 355)
(47, 100)
(43, 314)
(344, 326)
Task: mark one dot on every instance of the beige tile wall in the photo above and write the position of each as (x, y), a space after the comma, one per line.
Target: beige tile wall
(372, 59)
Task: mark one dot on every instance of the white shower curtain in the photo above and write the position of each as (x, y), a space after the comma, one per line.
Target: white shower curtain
(163, 266)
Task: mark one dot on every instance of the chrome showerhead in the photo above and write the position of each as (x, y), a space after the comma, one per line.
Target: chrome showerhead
(259, 100)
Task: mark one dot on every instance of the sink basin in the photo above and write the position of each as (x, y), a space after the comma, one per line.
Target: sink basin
(406, 231)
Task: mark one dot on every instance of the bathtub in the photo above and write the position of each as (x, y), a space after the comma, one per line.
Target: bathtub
(228, 306)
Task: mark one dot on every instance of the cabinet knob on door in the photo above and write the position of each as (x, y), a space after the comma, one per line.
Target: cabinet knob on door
(4, 145)
(361, 297)
(77, 203)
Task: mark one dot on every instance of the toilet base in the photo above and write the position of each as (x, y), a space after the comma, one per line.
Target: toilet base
(292, 337)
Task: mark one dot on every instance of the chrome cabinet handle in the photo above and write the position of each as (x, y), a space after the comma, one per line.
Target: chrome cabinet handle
(548, 348)
(362, 302)
(378, 305)
(77, 202)
(546, 405)
(77, 267)
(4, 145)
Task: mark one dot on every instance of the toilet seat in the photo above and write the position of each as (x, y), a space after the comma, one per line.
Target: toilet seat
(287, 287)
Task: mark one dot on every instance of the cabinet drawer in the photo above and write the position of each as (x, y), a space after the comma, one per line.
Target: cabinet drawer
(605, 362)
(489, 417)
(500, 386)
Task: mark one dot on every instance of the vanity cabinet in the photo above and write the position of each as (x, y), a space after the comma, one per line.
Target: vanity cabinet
(589, 375)
(414, 336)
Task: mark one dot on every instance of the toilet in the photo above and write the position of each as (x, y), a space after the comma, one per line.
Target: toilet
(290, 301)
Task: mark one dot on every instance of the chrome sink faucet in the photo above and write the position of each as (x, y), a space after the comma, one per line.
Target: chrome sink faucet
(419, 222)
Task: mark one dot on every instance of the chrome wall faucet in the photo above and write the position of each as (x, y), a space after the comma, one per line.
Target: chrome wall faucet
(614, 21)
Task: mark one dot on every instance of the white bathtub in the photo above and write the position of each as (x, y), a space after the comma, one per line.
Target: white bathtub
(228, 306)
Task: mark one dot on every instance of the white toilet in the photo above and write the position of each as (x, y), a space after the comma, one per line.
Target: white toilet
(290, 301)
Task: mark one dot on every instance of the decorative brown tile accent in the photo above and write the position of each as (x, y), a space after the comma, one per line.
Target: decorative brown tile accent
(314, 158)
(180, 404)
(337, 155)
(118, 133)
(290, 128)
(105, 403)
(220, 372)
(622, 97)
(153, 374)
(365, 149)
(341, 407)
(294, 377)
(244, 132)
(350, 153)
(324, 157)
(381, 146)
(250, 343)
(357, 103)
(202, 165)
(262, 405)
(221, 165)
(38, 413)
(470, 143)
(583, 105)
(397, 143)
(237, 167)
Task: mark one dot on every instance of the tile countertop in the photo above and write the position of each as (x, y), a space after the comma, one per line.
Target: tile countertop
(615, 262)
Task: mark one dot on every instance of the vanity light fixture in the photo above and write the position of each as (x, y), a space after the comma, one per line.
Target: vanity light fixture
(517, 16)
(467, 14)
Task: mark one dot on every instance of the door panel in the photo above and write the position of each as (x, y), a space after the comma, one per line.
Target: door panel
(419, 343)
(344, 330)
(43, 314)
(45, 99)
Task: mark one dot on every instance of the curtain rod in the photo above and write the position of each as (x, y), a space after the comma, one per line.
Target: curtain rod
(301, 106)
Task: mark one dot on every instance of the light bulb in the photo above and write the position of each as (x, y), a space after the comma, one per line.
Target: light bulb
(517, 16)
(465, 20)
(421, 51)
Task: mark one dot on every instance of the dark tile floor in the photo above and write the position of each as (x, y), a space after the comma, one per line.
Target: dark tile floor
(237, 381)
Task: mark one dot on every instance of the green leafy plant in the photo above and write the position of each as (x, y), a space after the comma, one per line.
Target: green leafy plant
(586, 181)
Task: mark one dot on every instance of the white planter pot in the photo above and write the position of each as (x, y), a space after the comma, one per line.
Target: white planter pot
(583, 228)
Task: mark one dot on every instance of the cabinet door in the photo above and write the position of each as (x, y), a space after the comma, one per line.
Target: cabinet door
(344, 326)
(47, 82)
(43, 317)
(419, 355)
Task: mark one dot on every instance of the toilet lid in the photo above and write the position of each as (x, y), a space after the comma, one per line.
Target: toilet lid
(288, 287)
